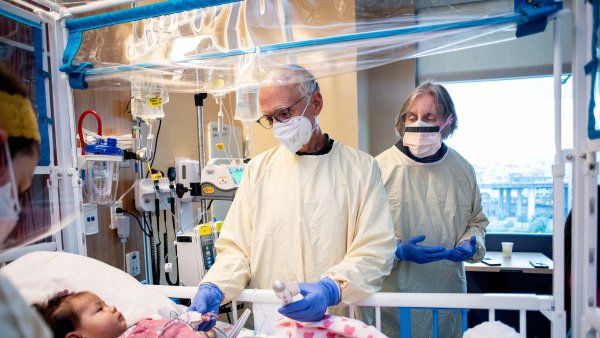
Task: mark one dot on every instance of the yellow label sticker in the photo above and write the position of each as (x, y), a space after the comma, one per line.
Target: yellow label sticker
(220, 146)
(155, 102)
(219, 83)
(208, 190)
(205, 230)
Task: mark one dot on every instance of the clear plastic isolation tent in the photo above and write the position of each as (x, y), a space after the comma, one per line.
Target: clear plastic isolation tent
(221, 45)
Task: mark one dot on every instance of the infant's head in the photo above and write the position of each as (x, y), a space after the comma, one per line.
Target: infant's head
(81, 314)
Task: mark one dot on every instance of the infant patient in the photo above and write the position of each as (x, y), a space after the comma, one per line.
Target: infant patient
(84, 314)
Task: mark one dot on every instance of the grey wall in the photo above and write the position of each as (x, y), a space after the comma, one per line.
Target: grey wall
(381, 93)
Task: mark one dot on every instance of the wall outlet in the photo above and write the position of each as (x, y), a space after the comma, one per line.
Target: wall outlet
(113, 214)
(133, 263)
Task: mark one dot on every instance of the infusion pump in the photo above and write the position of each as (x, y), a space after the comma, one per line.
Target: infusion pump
(217, 181)
(220, 181)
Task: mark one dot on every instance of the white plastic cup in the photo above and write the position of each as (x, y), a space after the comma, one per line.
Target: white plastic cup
(507, 248)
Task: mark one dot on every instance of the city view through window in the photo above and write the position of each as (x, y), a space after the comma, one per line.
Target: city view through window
(506, 131)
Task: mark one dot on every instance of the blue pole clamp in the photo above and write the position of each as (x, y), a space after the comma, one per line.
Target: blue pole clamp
(536, 14)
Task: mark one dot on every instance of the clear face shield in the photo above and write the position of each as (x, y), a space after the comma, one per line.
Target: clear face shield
(424, 139)
(25, 218)
(10, 208)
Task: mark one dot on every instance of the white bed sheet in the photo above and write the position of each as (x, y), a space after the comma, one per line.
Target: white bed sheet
(39, 275)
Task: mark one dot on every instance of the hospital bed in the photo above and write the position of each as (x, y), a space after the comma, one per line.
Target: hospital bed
(39, 275)
(405, 302)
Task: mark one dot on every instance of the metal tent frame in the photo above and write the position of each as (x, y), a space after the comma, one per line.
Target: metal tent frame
(586, 316)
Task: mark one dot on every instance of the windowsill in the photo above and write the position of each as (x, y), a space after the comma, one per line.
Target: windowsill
(522, 242)
(518, 234)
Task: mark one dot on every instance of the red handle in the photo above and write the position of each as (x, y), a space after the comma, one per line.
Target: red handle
(80, 127)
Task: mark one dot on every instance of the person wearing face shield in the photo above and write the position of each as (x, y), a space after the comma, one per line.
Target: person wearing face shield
(19, 152)
(311, 210)
(436, 209)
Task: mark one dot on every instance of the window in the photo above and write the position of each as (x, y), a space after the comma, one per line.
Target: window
(506, 131)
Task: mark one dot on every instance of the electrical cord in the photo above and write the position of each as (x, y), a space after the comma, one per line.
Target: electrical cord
(158, 243)
(166, 248)
(146, 226)
(172, 203)
(156, 143)
(152, 251)
(121, 210)
(155, 146)
(124, 258)
(128, 106)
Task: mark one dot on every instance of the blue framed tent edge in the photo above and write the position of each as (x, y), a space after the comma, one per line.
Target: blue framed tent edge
(77, 26)
(139, 13)
(515, 18)
(592, 69)
(20, 19)
(530, 18)
(318, 42)
(40, 98)
(40, 90)
(311, 42)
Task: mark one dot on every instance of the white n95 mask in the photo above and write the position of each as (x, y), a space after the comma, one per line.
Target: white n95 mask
(295, 132)
(423, 139)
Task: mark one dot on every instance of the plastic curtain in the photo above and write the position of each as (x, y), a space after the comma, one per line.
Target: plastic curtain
(222, 48)
(22, 51)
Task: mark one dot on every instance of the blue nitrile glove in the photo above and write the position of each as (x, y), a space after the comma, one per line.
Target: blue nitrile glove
(207, 299)
(464, 251)
(410, 251)
(317, 297)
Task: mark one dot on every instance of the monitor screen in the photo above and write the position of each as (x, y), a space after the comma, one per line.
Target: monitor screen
(236, 174)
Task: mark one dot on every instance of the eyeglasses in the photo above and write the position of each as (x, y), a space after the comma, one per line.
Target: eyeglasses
(281, 115)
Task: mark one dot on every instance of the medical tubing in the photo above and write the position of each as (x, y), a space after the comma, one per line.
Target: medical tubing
(199, 103)
(124, 258)
(172, 215)
(155, 146)
(156, 143)
(231, 122)
(172, 201)
(80, 127)
(152, 254)
(152, 250)
(158, 250)
(157, 213)
(158, 255)
(165, 219)
(172, 204)
(166, 249)
(126, 192)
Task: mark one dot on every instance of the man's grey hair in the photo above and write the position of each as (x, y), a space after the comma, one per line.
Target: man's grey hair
(292, 73)
(443, 105)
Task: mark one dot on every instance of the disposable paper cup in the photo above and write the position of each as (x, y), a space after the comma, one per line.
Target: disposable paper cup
(507, 248)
